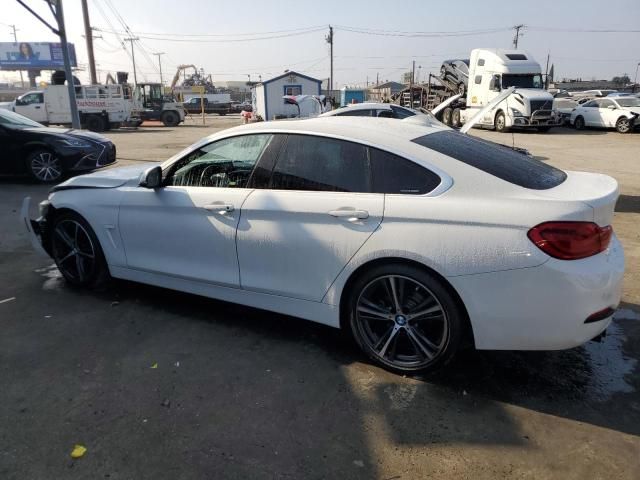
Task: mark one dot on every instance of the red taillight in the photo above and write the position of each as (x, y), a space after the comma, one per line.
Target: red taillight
(570, 240)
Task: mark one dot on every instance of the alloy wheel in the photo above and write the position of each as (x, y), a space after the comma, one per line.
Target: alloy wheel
(402, 322)
(623, 125)
(46, 167)
(74, 251)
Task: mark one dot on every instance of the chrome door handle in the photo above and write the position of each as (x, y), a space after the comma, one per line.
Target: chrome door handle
(350, 214)
(220, 208)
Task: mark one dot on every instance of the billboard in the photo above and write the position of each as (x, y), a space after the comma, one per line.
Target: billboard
(34, 55)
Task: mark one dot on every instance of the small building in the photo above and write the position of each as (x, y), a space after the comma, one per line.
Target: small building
(352, 95)
(267, 96)
(384, 91)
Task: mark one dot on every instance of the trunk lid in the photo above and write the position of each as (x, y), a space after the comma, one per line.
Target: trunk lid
(598, 191)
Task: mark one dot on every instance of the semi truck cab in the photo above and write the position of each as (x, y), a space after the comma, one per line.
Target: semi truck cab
(493, 70)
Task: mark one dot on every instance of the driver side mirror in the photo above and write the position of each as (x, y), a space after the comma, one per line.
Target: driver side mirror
(152, 177)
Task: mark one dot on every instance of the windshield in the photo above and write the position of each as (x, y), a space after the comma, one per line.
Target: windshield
(523, 81)
(14, 120)
(628, 102)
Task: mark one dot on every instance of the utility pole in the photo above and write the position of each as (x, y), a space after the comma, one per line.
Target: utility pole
(133, 57)
(517, 28)
(329, 39)
(546, 72)
(15, 39)
(61, 32)
(635, 80)
(89, 37)
(159, 54)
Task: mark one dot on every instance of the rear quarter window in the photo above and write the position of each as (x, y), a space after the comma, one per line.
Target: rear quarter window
(494, 159)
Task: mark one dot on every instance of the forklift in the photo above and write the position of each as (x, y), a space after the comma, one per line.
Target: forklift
(150, 103)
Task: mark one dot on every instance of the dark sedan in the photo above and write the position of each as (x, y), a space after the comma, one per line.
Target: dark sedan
(47, 154)
(457, 73)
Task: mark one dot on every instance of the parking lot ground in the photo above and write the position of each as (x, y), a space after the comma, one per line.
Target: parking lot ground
(163, 385)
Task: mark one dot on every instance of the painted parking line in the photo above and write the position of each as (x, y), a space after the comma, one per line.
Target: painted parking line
(7, 300)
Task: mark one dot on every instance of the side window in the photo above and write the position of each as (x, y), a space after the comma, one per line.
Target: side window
(321, 164)
(590, 104)
(481, 62)
(478, 79)
(394, 174)
(360, 112)
(401, 113)
(227, 163)
(605, 103)
(386, 114)
(40, 98)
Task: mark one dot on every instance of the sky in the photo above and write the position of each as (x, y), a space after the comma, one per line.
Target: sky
(252, 39)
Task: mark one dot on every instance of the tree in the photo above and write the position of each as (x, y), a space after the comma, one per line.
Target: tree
(623, 80)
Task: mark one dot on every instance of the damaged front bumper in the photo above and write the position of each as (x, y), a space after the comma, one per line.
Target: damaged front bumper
(35, 228)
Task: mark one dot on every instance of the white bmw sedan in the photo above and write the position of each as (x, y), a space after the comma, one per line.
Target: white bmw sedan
(619, 112)
(417, 240)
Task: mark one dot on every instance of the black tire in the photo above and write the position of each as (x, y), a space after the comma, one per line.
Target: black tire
(170, 119)
(500, 123)
(455, 118)
(623, 125)
(462, 89)
(390, 336)
(446, 116)
(77, 252)
(44, 166)
(578, 123)
(443, 72)
(95, 123)
(544, 129)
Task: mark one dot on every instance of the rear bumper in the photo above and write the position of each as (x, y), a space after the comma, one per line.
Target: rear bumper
(544, 307)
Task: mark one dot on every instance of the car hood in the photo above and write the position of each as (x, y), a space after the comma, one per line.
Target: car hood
(533, 94)
(110, 178)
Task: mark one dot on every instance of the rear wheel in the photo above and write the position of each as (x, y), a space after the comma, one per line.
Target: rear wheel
(404, 318)
(500, 123)
(170, 119)
(44, 166)
(578, 123)
(95, 123)
(455, 118)
(76, 251)
(446, 116)
(623, 125)
(462, 89)
(443, 72)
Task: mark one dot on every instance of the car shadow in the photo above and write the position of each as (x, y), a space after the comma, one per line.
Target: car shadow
(628, 204)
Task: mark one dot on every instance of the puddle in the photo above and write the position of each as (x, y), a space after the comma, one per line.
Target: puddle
(53, 277)
(609, 365)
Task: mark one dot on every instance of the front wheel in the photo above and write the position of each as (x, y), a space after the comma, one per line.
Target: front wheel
(501, 123)
(170, 119)
(76, 251)
(578, 123)
(44, 166)
(455, 118)
(404, 318)
(623, 125)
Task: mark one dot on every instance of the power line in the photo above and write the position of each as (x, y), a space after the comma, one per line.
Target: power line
(397, 33)
(165, 34)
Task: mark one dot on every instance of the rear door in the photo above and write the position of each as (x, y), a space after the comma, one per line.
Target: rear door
(310, 213)
(607, 113)
(590, 113)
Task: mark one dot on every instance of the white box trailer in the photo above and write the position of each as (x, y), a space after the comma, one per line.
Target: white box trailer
(100, 107)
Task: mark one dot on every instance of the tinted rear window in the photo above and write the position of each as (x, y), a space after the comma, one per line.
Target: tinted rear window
(501, 162)
(516, 56)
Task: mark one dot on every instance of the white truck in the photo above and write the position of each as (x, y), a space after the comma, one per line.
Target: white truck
(101, 107)
(492, 71)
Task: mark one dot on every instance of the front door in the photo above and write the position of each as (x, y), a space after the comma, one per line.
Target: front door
(301, 226)
(32, 106)
(187, 228)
